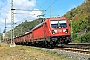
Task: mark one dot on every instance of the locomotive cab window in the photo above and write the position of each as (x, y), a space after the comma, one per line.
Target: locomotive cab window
(58, 23)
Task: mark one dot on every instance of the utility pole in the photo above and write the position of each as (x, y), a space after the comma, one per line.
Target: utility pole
(0, 35)
(12, 22)
(71, 28)
(5, 31)
(50, 10)
(5, 24)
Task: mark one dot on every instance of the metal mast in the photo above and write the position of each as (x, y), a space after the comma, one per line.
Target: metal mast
(12, 22)
(5, 30)
(5, 24)
(0, 35)
(50, 10)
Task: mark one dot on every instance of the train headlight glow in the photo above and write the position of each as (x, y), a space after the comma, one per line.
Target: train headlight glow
(64, 30)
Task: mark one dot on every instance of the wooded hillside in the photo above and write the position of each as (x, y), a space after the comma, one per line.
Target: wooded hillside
(80, 22)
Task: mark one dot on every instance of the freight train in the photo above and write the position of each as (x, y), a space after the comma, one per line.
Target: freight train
(51, 32)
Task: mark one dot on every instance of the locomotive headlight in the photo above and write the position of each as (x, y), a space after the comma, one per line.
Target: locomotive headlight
(66, 30)
(54, 31)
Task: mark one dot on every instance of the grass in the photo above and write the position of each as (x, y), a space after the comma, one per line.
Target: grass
(27, 53)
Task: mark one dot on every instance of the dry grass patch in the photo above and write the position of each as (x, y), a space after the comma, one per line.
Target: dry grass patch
(26, 53)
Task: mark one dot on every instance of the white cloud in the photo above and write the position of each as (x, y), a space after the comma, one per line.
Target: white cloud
(35, 13)
(18, 4)
(24, 4)
(5, 11)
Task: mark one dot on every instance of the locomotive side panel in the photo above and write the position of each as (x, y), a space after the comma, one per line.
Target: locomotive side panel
(38, 33)
(47, 31)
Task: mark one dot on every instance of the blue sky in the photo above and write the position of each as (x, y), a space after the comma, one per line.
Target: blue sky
(59, 7)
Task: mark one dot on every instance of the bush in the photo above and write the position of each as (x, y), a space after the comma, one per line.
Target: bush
(85, 38)
(77, 39)
(74, 35)
(81, 38)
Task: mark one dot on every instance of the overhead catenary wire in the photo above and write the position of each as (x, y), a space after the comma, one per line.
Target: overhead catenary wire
(42, 4)
(39, 6)
(51, 4)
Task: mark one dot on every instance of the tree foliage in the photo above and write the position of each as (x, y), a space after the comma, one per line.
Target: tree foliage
(80, 17)
(85, 38)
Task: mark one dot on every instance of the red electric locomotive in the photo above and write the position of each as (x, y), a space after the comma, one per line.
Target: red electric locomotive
(52, 31)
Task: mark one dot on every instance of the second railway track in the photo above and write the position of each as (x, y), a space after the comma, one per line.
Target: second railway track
(76, 50)
(76, 47)
(79, 51)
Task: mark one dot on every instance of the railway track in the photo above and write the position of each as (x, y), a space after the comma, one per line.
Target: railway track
(79, 51)
(76, 50)
(76, 47)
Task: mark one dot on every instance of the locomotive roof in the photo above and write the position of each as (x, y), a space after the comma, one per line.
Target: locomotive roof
(38, 26)
(56, 18)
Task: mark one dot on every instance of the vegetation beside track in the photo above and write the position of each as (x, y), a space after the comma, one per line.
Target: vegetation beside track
(80, 22)
(27, 53)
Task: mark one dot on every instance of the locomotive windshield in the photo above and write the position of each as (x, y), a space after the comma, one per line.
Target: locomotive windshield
(58, 24)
